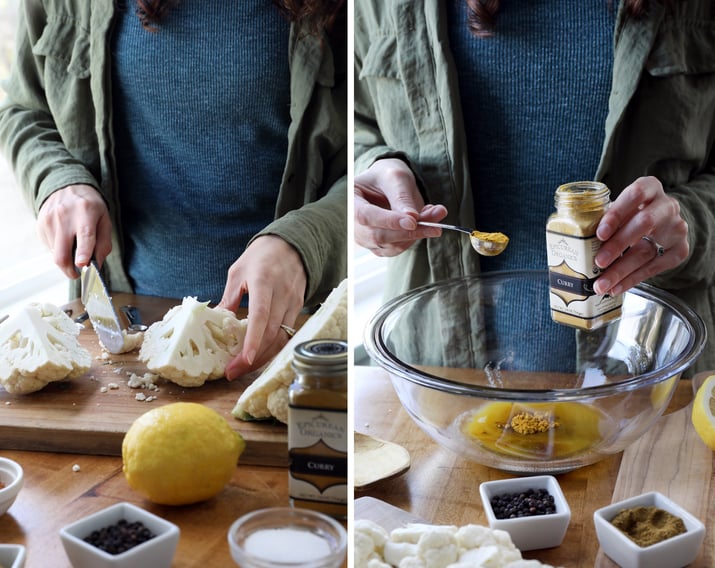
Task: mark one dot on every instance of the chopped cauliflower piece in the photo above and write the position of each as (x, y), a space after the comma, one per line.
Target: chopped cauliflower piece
(192, 343)
(39, 345)
(436, 546)
(396, 552)
(132, 341)
(258, 401)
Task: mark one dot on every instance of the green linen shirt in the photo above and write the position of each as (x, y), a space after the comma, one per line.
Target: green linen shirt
(56, 130)
(660, 122)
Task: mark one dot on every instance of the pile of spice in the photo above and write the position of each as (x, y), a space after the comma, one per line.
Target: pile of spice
(120, 537)
(2, 485)
(531, 422)
(648, 525)
(523, 504)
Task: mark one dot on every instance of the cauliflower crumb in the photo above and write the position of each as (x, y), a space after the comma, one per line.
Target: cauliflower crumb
(113, 386)
(103, 389)
(8, 403)
(146, 381)
(140, 396)
(76, 467)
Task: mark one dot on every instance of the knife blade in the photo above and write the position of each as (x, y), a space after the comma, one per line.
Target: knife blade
(100, 309)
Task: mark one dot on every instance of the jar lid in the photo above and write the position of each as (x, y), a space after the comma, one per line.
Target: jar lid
(325, 356)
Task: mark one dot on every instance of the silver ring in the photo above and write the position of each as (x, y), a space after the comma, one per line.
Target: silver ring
(289, 330)
(659, 249)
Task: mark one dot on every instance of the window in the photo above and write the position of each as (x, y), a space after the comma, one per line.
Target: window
(369, 273)
(27, 272)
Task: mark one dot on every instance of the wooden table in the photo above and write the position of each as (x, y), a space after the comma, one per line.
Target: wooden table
(442, 488)
(55, 495)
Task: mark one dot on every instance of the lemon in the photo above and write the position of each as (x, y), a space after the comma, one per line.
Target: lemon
(180, 453)
(704, 412)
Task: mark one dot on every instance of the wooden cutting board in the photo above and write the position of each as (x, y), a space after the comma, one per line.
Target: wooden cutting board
(671, 459)
(76, 416)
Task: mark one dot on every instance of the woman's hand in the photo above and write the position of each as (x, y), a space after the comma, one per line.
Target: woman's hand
(388, 205)
(642, 210)
(75, 214)
(271, 272)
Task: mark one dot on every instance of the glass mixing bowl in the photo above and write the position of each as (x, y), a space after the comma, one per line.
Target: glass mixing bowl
(482, 368)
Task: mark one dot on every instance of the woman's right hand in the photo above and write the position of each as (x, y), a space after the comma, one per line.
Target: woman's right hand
(75, 214)
(388, 205)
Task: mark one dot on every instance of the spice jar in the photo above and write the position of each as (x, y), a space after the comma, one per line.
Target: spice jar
(317, 427)
(572, 245)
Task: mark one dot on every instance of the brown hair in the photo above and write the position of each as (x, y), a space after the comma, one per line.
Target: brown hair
(319, 14)
(481, 14)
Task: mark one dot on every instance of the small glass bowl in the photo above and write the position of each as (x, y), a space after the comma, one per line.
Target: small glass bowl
(12, 477)
(12, 555)
(157, 552)
(677, 551)
(536, 531)
(285, 537)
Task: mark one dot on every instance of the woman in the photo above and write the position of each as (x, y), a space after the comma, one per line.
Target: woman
(480, 131)
(192, 149)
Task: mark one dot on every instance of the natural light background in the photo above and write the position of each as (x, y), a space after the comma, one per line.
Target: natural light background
(368, 280)
(27, 272)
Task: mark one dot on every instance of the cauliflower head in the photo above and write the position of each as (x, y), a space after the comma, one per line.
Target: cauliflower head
(267, 396)
(192, 343)
(39, 345)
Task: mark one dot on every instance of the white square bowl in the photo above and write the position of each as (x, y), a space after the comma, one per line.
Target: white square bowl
(157, 552)
(674, 552)
(12, 477)
(12, 555)
(536, 531)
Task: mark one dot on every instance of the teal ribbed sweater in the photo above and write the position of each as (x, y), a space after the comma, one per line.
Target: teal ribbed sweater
(201, 114)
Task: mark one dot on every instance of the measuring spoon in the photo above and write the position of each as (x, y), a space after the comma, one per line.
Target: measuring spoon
(486, 244)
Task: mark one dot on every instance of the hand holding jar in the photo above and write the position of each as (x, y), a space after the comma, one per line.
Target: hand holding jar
(643, 235)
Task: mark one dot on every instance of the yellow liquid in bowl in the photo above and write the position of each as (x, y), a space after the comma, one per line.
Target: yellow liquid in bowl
(538, 431)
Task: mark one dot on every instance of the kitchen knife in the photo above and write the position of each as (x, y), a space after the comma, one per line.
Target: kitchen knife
(99, 307)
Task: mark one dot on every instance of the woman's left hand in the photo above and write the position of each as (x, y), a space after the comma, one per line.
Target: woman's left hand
(271, 272)
(643, 235)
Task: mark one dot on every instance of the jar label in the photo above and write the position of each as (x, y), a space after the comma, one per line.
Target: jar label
(318, 452)
(572, 273)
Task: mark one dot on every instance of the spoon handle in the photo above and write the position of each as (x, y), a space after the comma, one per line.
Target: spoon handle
(443, 226)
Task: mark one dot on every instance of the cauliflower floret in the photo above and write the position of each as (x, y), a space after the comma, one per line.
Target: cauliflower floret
(39, 345)
(441, 546)
(192, 343)
(330, 321)
(396, 552)
(370, 539)
(412, 562)
(438, 548)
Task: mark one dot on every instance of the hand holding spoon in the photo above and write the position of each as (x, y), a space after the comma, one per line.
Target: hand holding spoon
(486, 244)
